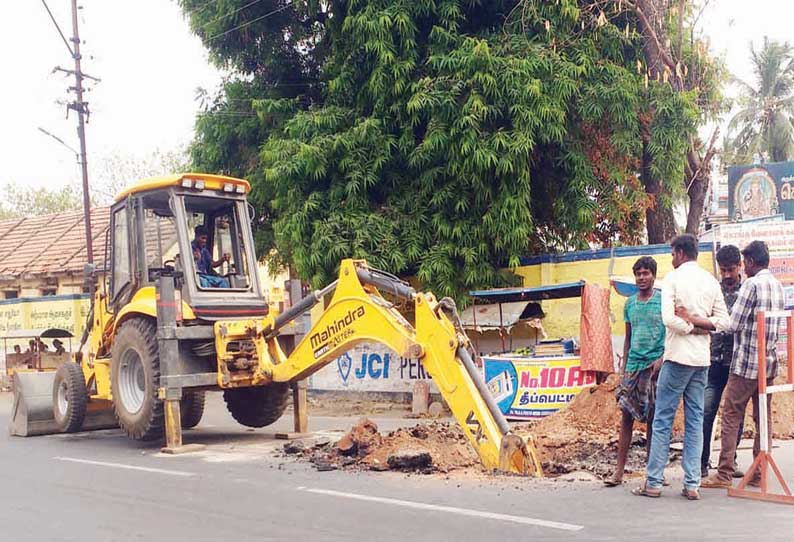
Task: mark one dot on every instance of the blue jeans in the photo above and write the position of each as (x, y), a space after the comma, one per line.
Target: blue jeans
(717, 379)
(676, 380)
(212, 281)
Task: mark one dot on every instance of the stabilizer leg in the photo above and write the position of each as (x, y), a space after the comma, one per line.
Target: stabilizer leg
(173, 426)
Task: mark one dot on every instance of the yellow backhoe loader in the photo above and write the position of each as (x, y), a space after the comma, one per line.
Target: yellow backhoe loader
(179, 310)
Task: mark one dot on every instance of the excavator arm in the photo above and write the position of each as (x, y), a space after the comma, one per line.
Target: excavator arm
(357, 312)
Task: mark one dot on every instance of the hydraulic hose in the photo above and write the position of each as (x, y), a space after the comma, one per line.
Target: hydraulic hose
(386, 283)
(300, 307)
(449, 304)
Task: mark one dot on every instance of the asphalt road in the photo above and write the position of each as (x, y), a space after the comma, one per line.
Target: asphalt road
(102, 487)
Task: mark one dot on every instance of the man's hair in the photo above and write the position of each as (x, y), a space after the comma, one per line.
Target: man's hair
(201, 230)
(645, 262)
(728, 255)
(758, 252)
(686, 243)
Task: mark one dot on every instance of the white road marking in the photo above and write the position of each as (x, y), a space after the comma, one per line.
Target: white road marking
(127, 467)
(449, 509)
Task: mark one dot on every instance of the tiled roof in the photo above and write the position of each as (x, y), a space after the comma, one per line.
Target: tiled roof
(50, 244)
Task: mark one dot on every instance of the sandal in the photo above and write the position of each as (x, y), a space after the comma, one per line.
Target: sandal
(645, 491)
(690, 494)
(613, 482)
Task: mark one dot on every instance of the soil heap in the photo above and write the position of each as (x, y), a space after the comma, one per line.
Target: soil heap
(427, 448)
(580, 437)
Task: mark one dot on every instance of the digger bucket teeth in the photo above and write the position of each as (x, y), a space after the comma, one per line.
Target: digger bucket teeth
(515, 456)
(519, 456)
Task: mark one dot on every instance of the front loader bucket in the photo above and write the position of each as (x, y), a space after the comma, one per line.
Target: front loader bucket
(32, 411)
(32, 415)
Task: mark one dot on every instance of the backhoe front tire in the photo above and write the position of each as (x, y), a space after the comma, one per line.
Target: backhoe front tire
(257, 406)
(69, 397)
(135, 378)
(191, 408)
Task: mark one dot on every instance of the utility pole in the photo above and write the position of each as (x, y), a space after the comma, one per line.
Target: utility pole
(80, 107)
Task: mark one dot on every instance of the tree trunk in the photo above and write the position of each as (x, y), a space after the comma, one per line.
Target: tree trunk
(698, 174)
(697, 199)
(659, 220)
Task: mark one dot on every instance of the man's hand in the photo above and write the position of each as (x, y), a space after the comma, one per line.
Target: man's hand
(657, 366)
(227, 257)
(682, 313)
(702, 325)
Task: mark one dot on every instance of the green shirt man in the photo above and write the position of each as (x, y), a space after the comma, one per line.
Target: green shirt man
(647, 331)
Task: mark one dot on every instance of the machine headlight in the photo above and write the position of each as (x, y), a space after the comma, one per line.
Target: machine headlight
(228, 187)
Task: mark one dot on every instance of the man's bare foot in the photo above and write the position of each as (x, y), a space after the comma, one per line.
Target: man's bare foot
(614, 481)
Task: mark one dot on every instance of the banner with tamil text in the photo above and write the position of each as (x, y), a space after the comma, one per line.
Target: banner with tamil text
(531, 388)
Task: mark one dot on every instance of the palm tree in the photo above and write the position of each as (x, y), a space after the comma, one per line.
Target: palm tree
(764, 123)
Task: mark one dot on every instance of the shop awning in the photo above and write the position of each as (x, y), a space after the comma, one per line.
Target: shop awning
(536, 293)
(487, 316)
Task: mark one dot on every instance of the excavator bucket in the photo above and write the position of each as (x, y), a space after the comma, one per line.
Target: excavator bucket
(32, 415)
(517, 457)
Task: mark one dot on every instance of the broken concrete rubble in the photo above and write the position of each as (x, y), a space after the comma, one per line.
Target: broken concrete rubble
(425, 448)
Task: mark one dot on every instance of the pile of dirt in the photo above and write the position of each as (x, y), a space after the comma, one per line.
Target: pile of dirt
(782, 415)
(584, 435)
(426, 448)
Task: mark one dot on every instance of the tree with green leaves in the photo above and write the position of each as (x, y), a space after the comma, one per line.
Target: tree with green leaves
(442, 139)
(676, 55)
(763, 124)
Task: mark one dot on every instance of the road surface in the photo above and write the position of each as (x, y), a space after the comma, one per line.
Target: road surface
(102, 487)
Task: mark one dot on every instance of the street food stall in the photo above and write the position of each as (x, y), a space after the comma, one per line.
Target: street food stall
(36, 349)
(530, 376)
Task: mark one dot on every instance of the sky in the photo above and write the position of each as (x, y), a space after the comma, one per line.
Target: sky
(151, 66)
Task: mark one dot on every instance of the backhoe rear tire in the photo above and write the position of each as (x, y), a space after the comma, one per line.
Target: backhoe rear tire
(257, 406)
(69, 397)
(135, 378)
(191, 408)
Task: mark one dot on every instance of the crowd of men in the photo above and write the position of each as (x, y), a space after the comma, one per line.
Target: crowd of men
(697, 340)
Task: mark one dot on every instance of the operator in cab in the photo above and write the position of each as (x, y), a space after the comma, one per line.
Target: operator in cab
(205, 266)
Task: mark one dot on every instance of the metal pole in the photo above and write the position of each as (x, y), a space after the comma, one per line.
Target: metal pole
(502, 329)
(79, 107)
(790, 348)
(485, 393)
(763, 422)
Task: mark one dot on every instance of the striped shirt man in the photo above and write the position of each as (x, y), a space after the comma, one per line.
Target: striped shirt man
(762, 292)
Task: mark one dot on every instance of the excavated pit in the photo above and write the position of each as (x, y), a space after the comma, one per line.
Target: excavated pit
(583, 437)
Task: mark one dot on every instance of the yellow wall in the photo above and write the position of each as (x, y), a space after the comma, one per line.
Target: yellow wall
(562, 316)
(67, 312)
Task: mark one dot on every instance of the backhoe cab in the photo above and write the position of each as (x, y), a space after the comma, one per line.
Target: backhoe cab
(181, 311)
(198, 230)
